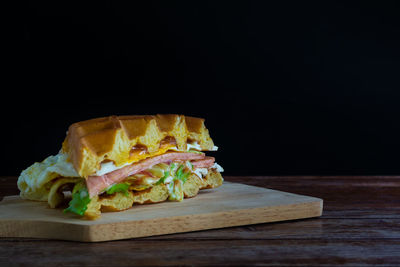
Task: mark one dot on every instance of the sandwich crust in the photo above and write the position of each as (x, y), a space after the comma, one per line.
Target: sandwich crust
(127, 139)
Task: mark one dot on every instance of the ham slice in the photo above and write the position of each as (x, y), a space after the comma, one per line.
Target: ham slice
(96, 184)
(206, 162)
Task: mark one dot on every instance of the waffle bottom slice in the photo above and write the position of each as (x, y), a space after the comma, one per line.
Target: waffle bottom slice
(155, 194)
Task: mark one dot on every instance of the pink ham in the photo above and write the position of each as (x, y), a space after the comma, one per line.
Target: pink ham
(207, 162)
(96, 184)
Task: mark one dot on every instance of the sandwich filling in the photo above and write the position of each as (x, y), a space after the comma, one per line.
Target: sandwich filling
(96, 184)
(48, 179)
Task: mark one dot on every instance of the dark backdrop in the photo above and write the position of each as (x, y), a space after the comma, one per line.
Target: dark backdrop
(286, 87)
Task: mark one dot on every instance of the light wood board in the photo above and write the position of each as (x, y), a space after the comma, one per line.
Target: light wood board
(232, 204)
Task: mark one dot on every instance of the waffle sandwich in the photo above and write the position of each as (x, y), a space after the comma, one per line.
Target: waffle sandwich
(112, 163)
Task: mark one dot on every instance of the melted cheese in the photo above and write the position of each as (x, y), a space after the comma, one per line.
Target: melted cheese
(143, 155)
(109, 166)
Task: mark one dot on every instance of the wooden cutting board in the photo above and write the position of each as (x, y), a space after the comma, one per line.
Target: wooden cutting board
(232, 204)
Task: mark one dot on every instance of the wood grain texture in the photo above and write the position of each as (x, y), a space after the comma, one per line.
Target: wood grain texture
(360, 226)
(232, 204)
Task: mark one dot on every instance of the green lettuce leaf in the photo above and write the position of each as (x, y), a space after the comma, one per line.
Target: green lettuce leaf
(162, 179)
(172, 166)
(181, 174)
(121, 187)
(190, 165)
(80, 200)
(175, 190)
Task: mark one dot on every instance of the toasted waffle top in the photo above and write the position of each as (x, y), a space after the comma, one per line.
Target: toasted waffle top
(127, 139)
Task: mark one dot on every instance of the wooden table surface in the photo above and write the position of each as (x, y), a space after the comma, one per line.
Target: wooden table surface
(360, 226)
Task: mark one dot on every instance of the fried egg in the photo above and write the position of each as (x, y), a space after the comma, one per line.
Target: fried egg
(34, 182)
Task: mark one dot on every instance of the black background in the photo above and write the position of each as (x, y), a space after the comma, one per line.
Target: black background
(286, 87)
